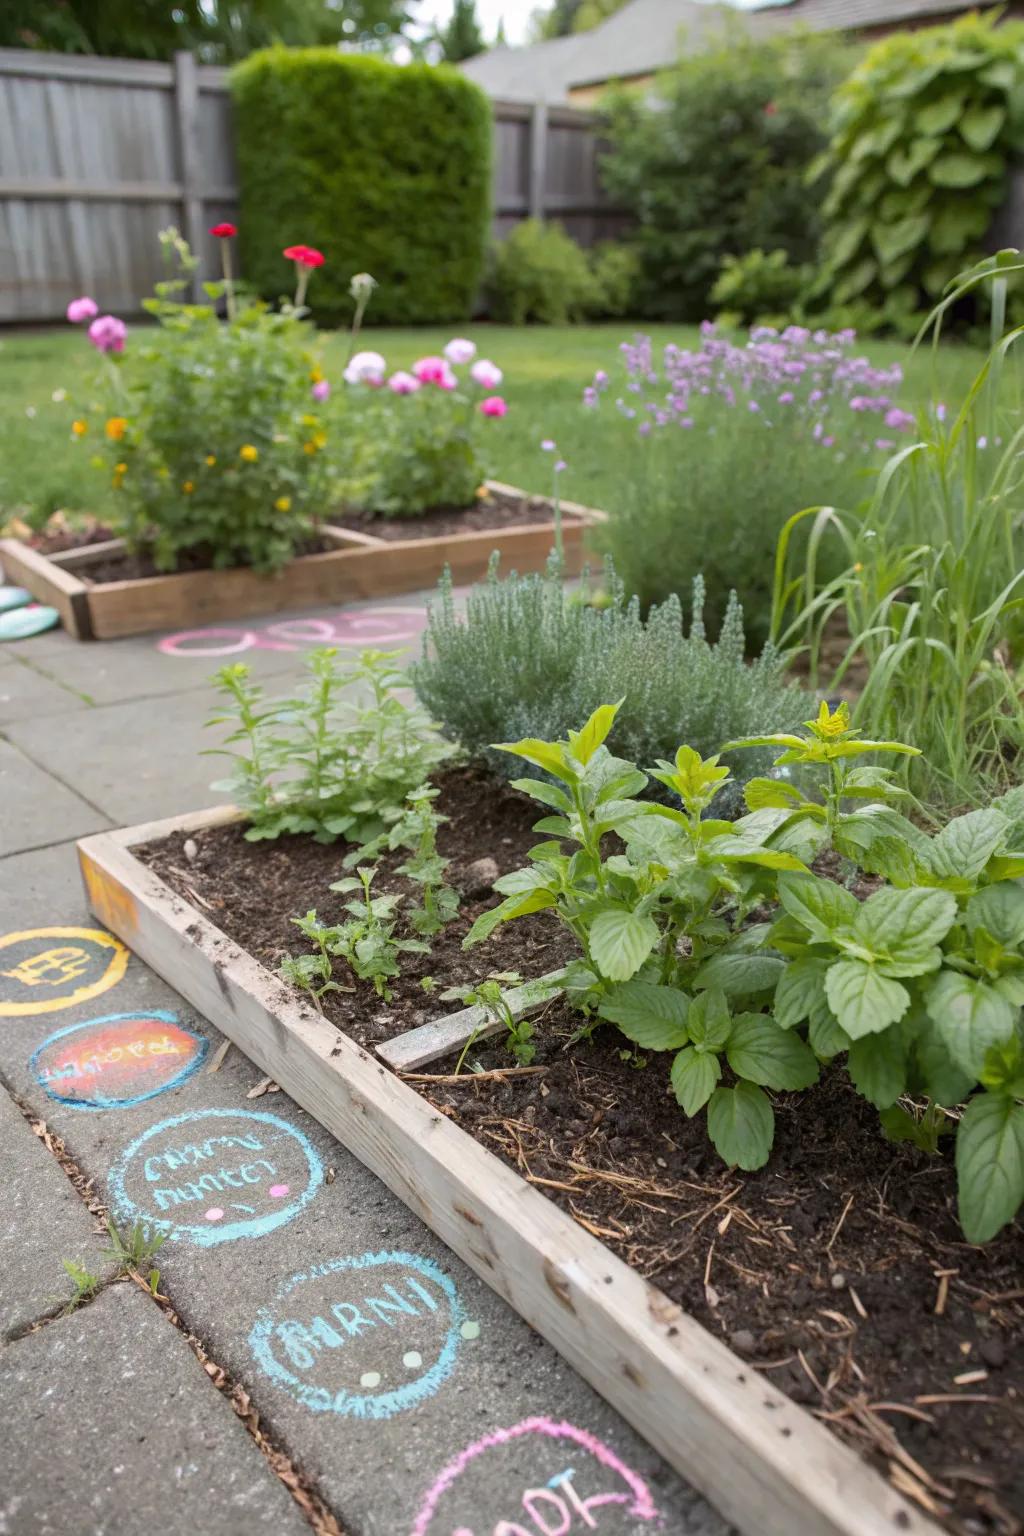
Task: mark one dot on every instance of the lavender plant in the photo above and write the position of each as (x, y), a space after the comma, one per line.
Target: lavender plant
(715, 448)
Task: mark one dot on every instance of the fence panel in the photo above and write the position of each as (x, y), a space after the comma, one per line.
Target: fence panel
(98, 155)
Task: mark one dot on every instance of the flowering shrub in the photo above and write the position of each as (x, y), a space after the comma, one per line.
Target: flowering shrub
(214, 432)
(418, 443)
(714, 449)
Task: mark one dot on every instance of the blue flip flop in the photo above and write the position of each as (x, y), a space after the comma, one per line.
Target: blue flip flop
(13, 597)
(21, 623)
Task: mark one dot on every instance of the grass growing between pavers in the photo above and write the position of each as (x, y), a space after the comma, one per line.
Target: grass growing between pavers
(546, 369)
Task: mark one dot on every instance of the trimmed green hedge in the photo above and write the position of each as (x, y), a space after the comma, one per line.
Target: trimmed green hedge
(386, 169)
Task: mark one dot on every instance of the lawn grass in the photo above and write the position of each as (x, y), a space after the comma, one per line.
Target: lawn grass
(546, 368)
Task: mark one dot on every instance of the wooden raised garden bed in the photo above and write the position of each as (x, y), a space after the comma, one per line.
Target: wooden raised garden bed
(359, 565)
(767, 1463)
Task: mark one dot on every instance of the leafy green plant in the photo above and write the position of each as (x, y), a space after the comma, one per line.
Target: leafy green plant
(212, 439)
(929, 584)
(390, 166)
(336, 760)
(761, 285)
(86, 1284)
(490, 994)
(658, 958)
(365, 941)
(924, 131)
(525, 658)
(416, 829)
(745, 114)
(538, 273)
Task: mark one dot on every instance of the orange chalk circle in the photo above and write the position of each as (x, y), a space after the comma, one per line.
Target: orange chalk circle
(43, 970)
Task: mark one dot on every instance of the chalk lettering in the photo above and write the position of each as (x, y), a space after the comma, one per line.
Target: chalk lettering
(351, 1319)
(378, 1305)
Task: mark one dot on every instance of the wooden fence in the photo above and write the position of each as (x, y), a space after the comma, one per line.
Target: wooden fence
(97, 155)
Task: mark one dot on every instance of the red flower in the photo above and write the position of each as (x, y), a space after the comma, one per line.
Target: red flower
(223, 231)
(305, 255)
(770, 109)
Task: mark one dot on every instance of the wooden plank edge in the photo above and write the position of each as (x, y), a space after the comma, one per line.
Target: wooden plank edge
(766, 1463)
(442, 1036)
(50, 584)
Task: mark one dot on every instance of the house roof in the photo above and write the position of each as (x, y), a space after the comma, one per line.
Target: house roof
(647, 35)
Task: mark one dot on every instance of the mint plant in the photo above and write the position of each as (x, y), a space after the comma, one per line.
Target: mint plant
(489, 994)
(336, 759)
(416, 829)
(662, 956)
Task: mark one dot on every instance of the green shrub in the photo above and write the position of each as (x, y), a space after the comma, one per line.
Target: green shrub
(213, 442)
(538, 273)
(714, 164)
(616, 272)
(924, 131)
(527, 659)
(383, 168)
(709, 451)
(760, 284)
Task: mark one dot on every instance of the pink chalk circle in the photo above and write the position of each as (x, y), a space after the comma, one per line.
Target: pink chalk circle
(278, 1191)
(214, 1213)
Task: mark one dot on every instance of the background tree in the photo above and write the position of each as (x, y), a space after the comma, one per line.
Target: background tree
(461, 37)
(219, 31)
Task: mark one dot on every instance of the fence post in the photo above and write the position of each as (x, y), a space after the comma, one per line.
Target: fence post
(186, 116)
(538, 158)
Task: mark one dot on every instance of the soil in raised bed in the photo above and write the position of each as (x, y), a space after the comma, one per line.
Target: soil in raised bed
(252, 890)
(838, 1271)
(497, 510)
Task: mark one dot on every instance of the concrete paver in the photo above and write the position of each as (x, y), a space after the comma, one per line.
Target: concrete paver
(30, 691)
(115, 1429)
(42, 1222)
(36, 807)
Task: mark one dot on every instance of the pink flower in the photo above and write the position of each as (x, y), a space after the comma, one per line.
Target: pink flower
(431, 370)
(447, 381)
(493, 405)
(304, 255)
(547, 445)
(486, 374)
(107, 334)
(460, 351)
(366, 368)
(901, 421)
(223, 231)
(560, 464)
(321, 390)
(82, 309)
(786, 398)
(402, 383)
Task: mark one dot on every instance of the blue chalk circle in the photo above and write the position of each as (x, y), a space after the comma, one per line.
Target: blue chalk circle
(303, 1332)
(189, 1168)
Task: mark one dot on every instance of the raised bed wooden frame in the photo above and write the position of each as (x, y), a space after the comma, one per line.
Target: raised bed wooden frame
(766, 1463)
(361, 566)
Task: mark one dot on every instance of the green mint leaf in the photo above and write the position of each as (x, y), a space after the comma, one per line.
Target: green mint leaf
(652, 1017)
(999, 909)
(965, 845)
(820, 905)
(877, 1065)
(942, 1078)
(739, 974)
(709, 1021)
(761, 1052)
(583, 744)
(741, 1123)
(763, 794)
(548, 755)
(800, 986)
(695, 1076)
(825, 1035)
(512, 906)
(904, 928)
(620, 942)
(547, 794)
(970, 1017)
(989, 1165)
(864, 1001)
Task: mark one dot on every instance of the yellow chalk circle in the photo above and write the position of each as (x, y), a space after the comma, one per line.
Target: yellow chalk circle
(47, 959)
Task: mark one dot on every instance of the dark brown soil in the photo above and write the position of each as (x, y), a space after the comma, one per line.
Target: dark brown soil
(495, 510)
(488, 821)
(839, 1270)
(127, 567)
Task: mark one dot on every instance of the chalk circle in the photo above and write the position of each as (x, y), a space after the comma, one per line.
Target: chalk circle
(117, 1061)
(35, 962)
(533, 1450)
(165, 1177)
(338, 1331)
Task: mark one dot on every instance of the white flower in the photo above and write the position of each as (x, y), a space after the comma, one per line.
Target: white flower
(486, 374)
(366, 368)
(460, 351)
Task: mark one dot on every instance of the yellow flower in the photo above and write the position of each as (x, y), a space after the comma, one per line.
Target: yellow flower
(116, 428)
(120, 469)
(283, 504)
(79, 428)
(309, 447)
(316, 375)
(211, 458)
(249, 453)
(858, 567)
(188, 487)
